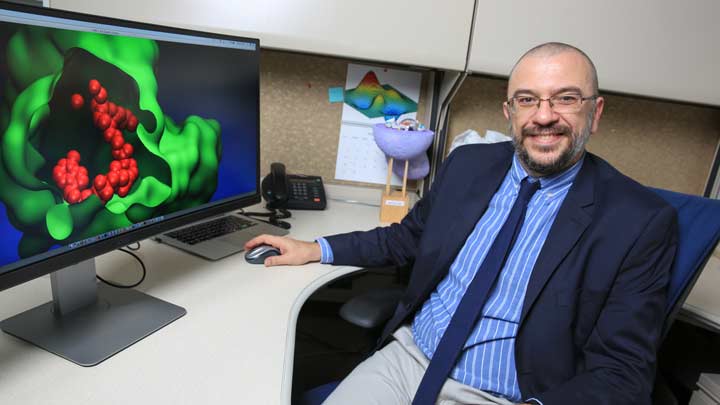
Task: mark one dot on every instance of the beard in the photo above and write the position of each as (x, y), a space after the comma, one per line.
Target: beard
(567, 157)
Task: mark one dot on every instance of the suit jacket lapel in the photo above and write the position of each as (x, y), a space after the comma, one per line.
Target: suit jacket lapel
(572, 219)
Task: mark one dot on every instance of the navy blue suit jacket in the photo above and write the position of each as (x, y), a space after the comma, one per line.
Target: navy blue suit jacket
(594, 305)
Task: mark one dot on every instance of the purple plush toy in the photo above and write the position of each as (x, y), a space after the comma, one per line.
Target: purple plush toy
(405, 145)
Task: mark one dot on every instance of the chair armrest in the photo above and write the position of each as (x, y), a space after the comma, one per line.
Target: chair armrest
(373, 308)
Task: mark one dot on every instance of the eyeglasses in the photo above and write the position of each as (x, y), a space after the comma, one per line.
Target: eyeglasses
(565, 103)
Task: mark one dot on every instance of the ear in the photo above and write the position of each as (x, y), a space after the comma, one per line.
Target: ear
(599, 106)
(506, 110)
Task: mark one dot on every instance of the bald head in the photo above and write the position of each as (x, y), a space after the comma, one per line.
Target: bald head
(550, 49)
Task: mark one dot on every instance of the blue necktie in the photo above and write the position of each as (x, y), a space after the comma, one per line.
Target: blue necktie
(472, 303)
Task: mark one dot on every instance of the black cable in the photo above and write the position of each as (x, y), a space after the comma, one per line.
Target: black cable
(256, 214)
(273, 213)
(134, 249)
(273, 218)
(144, 271)
(281, 224)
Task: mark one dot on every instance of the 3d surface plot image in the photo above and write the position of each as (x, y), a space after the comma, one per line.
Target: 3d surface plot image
(86, 147)
(374, 100)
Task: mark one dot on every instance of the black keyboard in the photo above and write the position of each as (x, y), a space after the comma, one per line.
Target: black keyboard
(211, 229)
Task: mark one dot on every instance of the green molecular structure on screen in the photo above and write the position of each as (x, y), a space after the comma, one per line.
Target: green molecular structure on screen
(78, 160)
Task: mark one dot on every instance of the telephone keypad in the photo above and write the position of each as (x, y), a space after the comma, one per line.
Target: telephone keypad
(306, 192)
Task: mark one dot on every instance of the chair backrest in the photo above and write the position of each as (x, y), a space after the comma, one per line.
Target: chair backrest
(699, 232)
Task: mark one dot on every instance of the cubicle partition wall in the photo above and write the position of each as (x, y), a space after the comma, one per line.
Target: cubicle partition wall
(298, 125)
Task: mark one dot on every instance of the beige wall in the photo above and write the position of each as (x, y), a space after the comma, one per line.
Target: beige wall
(661, 144)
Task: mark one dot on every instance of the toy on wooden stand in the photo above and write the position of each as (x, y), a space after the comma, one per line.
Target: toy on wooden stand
(406, 142)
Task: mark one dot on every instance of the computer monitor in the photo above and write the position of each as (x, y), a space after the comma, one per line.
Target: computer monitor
(110, 132)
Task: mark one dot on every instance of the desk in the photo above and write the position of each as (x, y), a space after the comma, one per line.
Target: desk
(234, 345)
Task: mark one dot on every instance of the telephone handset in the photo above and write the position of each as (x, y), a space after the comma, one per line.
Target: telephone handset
(292, 191)
(274, 186)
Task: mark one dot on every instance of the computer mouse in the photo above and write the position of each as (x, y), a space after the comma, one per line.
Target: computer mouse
(258, 254)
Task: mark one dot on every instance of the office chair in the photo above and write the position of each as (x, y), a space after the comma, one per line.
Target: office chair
(699, 232)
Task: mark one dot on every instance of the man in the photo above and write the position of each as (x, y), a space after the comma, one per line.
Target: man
(574, 310)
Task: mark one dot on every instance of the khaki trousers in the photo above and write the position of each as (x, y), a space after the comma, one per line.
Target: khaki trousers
(392, 375)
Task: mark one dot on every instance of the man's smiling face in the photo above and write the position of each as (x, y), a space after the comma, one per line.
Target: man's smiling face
(548, 142)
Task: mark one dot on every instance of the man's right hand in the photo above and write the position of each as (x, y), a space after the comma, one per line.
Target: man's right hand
(292, 252)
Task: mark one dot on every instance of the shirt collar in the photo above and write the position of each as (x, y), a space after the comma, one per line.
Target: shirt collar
(549, 183)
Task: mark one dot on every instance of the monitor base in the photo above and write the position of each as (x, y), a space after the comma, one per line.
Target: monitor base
(93, 333)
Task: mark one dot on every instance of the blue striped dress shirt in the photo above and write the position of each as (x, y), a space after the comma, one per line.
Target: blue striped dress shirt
(488, 359)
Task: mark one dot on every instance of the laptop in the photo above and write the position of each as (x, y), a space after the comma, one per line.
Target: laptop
(218, 237)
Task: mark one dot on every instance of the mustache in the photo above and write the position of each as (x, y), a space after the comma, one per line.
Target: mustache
(547, 130)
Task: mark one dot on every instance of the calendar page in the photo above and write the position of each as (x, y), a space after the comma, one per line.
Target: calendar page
(361, 159)
(371, 94)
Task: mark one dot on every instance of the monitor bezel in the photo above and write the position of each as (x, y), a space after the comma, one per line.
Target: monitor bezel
(51, 264)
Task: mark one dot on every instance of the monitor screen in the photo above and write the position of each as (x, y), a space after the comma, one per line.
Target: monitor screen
(115, 131)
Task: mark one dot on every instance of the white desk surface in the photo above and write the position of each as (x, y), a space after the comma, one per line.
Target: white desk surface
(235, 345)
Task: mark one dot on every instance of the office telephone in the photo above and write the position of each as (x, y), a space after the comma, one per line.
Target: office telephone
(292, 191)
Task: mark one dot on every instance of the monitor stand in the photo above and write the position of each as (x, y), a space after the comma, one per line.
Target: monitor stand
(87, 322)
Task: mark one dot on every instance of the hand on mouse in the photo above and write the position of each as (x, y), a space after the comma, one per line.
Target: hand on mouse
(292, 252)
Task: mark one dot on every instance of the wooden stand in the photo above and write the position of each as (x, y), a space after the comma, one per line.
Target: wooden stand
(394, 204)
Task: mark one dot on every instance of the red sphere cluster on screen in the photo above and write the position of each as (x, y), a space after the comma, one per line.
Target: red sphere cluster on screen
(118, 180)
(111, 119)
(72, 178)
